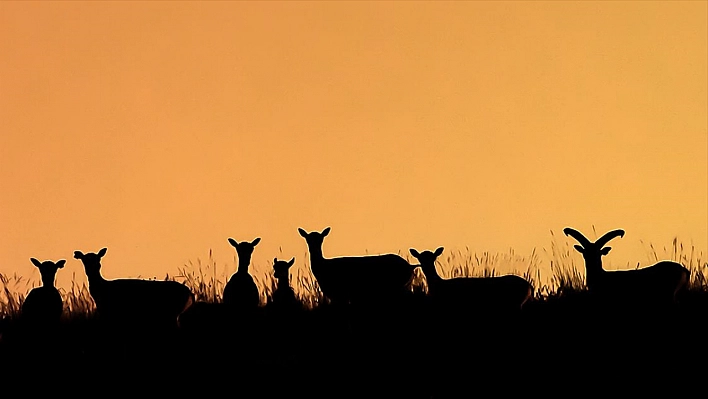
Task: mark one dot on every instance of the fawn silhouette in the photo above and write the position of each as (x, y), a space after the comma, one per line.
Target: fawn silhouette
(651, 286)
(241, 292)
(357, 278)
(43, 305)
(493, 294)
(285, 321)
(284, 298)
(131, 303)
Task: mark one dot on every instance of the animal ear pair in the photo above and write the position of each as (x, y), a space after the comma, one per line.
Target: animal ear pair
(234, 243)
(437, 252)
(603, 251)
(304, 233)
(290, 262)
(59, 264)
(80, 255)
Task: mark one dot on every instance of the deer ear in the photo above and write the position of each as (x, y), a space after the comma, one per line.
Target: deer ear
(233, 242)
(291, 261)
(78, 254)
(275, 260)
(414, 252)
(325, 232)
(302, 232)
(439, 251)
(60, 263)
(579, 248)
(256, 241)
(605, 250)
(35, 262)
(102, 252)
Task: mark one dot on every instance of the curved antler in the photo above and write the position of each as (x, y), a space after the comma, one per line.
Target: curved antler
(608, 236)
(578, 236)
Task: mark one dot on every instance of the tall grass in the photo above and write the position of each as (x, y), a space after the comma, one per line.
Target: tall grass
(207, 279)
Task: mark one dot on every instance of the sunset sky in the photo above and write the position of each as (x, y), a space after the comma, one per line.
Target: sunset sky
(159, 130)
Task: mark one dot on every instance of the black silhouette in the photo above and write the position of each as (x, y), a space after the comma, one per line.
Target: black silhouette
(357, 278)
(284, 298)
(431, 346)
(649, 287)
(132, 303)
(241, 292)
(43, 305)
(490, 294)
(39, 329)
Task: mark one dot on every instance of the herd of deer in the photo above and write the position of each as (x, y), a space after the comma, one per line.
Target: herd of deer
(348, 280)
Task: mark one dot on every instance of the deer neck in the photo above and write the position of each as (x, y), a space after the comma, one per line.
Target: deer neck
(243, 263)
(48, 281)
(283, 284)
(431, 275)
(593, 272)
(316, 257)
(94, 277)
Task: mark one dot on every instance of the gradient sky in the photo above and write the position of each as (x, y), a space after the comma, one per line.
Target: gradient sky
(160, 129)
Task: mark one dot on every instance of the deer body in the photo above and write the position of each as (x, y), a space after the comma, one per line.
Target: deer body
(652, 285)
(134, 298)
(241, 291)
(350, 278)
(500, 293)
(44, 304)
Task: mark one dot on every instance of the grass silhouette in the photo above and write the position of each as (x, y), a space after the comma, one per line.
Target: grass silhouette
(558, 331)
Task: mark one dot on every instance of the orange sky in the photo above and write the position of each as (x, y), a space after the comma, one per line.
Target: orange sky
(158, 130)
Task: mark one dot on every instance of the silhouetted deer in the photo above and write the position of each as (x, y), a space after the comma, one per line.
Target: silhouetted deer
(43, 305)
(491, 294)
(134, 300)
(241, 292)
(656, 285)
(354, 278)
(284, 298)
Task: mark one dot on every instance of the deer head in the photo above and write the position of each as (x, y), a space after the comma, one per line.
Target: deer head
(593, 251)
(244, 249)
(91, 261)
(48, 270)
(314, 239)
(281, 268)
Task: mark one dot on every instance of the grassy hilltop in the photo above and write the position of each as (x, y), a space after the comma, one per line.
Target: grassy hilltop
(557, 332)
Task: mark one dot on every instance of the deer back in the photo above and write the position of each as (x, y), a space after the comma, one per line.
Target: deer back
(142, 296)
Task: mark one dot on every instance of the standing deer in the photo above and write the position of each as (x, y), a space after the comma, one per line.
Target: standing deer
(43, 304)
(657, 284)
(134, 300)
(241, 292)
(502, 293)
(354, 278)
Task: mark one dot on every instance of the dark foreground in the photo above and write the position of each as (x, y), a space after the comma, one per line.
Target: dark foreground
(409, 349)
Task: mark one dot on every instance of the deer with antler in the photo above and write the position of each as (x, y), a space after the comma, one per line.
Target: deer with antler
(657, 284)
